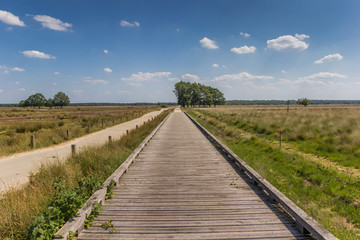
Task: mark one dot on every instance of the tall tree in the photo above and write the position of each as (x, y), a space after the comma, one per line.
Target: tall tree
(35, 100)
(61, 99)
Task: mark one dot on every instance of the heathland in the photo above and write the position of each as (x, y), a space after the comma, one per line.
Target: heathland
(57, 191)
(56, 125)
(318, 163)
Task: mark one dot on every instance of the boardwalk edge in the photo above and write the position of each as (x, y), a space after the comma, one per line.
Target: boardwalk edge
(76, 224)
(304, 222)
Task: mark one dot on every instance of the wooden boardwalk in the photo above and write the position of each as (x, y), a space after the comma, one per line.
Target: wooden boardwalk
(181, 187)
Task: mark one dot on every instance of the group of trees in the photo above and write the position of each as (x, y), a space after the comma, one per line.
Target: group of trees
(38, 100)
(192, 94)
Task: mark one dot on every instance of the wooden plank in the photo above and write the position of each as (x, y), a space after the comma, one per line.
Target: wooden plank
(181, 187)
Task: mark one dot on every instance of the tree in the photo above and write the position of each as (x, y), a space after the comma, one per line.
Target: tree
(303, 101)
(61, 99)
(22, 103)
(35, 100)
(192, 94)
(49, 103)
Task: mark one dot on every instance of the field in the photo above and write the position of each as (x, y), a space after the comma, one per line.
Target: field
(318, 163)
(50, 126)
(57, 191)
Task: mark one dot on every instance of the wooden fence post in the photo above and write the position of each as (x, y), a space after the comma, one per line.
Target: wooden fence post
(67, 133)
(127, 132)
(89, 128)
(109, 139)
(137, 126)
(32, 141)
(73, 149)
(280, 139)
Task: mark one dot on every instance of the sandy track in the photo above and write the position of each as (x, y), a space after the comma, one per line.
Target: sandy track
(15, 169)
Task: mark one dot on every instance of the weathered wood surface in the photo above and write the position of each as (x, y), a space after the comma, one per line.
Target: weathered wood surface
(181, 187)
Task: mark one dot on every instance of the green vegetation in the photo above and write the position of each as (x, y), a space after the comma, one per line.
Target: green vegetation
(327, 189)
(303, 101)
(50, 125)
(38, 100)
(195, 94)
(91, 218)
(109, 226)
(55, 193)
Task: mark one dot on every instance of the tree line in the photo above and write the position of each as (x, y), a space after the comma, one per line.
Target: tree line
(195, 94)
(38, 100)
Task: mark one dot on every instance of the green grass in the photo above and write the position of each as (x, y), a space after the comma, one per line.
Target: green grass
(329, 196)
(50, 125)
(57, 189)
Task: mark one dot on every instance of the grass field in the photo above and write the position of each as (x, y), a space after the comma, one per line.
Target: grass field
(54, 194)
(318, 165)
(50, 125)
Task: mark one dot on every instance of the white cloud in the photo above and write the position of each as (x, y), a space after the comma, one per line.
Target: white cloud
(141, 77)
(208, 43)
(106, 51)
(190, 77)
(324, 75)
(125, 23)
(53, 23)
(241, 77)
(215, 65)
(288, 42)
(11, 19)
(135, 84)
(108, 70)
(244, 49)
(54, 83)
(174, 79)
(329, 58)
(178, 30)
(76, 91)
(301, 36)
(56, 73)
(37, 54)
(95, 81)
(17, 83)
(1, 90)
(22, 89)
(17, 69)
(283, 71)
(244, 34)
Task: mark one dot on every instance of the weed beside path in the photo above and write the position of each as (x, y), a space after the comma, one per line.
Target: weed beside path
(330, 196)
(58, 190)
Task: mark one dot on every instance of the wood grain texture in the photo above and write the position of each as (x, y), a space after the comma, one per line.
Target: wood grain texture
(181, 187)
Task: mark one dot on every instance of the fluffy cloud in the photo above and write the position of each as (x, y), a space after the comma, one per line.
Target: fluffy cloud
(108, 70)
(215, 65)
(1, 90)
(106, 51)
(243, 76)
(6, 70)
(244, 34)
(190, 77)
(208, 43)
(329, 58)
(17, 69)
(321, 78)
(142, 77)
(56, 73)
(125, 23)
(288, 42)
(244, 49)
(11, 19)
(53, 23)
(37, 54)
(95, 81)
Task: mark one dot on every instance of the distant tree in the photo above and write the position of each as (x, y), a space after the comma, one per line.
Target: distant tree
(49, 103)
(35, 100)
(192, 94)
(22, 103)
(61, 99)
(288, 105)
(303, 101)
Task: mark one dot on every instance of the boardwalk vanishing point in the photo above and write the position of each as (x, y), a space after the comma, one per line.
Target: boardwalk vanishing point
(182, 187)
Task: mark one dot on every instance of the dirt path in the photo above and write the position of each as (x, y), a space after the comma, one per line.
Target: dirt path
(15, 169)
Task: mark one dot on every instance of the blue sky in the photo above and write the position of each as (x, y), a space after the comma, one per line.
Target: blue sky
(135, 51)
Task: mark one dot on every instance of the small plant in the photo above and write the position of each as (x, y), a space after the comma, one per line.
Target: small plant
(91, 218)
(71, 236)
(109, 226)
(109, 190)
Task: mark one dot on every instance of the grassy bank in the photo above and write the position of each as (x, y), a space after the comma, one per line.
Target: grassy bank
(58, 190)
(330, 196)
(50, 125)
